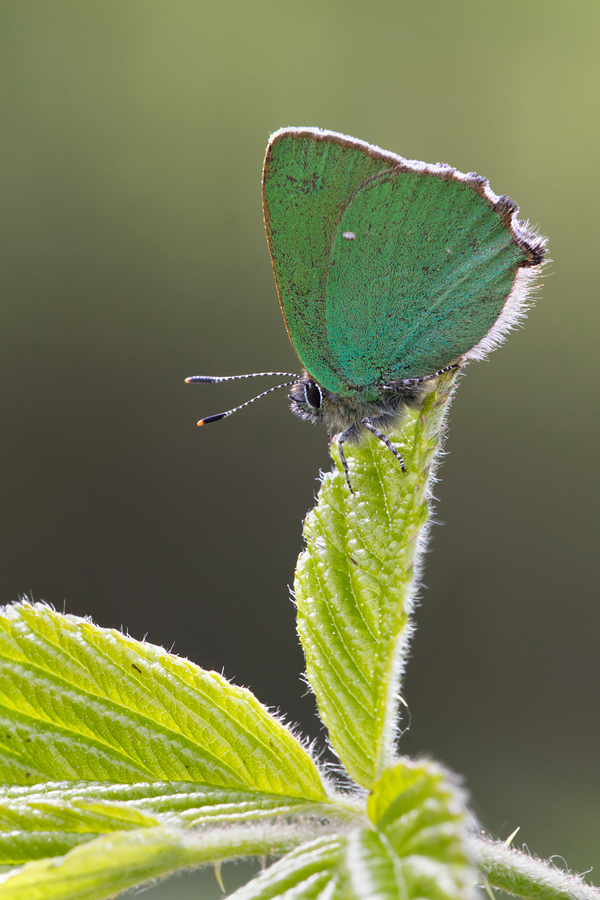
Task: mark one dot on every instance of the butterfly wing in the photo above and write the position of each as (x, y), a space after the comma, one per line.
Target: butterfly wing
(386, 268)
(308, 178)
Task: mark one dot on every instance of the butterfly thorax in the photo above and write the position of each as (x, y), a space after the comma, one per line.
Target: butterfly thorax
(383, 404)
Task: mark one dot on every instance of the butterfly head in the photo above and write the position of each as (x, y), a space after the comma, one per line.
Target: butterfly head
(314, 403)
(308, 399)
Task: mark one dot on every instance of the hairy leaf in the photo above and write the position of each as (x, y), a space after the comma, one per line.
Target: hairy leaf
(311, 871)
(414, 848)
(50, 819)
(112, 863)
(78, 702)
(354, 584)
(421, 814)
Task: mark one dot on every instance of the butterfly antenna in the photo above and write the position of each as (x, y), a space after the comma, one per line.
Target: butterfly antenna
(223, 415)
(213, 379)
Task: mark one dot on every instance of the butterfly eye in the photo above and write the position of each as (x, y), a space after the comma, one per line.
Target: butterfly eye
(312, 394)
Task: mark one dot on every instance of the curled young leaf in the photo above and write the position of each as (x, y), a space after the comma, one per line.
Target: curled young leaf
(355, 584)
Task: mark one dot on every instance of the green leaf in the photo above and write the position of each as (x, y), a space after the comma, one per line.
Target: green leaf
(371, 869)
(110, 864)
(354, 584)
(101, 868)
(50, 819)
(311, 871)
(421, 814)
(78, 702)
(117, 721)
(414, 848)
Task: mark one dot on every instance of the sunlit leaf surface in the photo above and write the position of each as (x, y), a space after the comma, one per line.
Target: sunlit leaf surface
(51, 818)
(78, 702)
(354, 584)
(414, 847)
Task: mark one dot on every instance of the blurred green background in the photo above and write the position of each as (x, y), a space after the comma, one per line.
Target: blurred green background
(133, 133)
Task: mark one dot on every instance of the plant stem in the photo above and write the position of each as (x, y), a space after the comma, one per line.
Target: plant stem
(524, 876)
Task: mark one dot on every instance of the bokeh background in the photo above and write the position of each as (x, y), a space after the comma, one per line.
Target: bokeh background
(133, 134)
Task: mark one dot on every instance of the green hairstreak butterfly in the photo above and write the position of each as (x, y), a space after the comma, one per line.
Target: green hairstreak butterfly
(389, 272)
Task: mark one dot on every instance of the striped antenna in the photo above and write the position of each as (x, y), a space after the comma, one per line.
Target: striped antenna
(212, 379)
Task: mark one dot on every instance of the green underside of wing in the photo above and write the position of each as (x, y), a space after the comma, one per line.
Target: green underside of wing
(422, 281)
(307, 185)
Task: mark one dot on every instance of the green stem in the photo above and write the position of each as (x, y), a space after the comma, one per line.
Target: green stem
(524, 876)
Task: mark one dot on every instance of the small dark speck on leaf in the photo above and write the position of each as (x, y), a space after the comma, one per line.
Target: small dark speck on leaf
(133, 666)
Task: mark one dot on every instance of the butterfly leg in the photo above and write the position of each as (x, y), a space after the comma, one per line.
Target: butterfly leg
(340, 440)
(449, 368)
(384, 440)
(419, 379)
